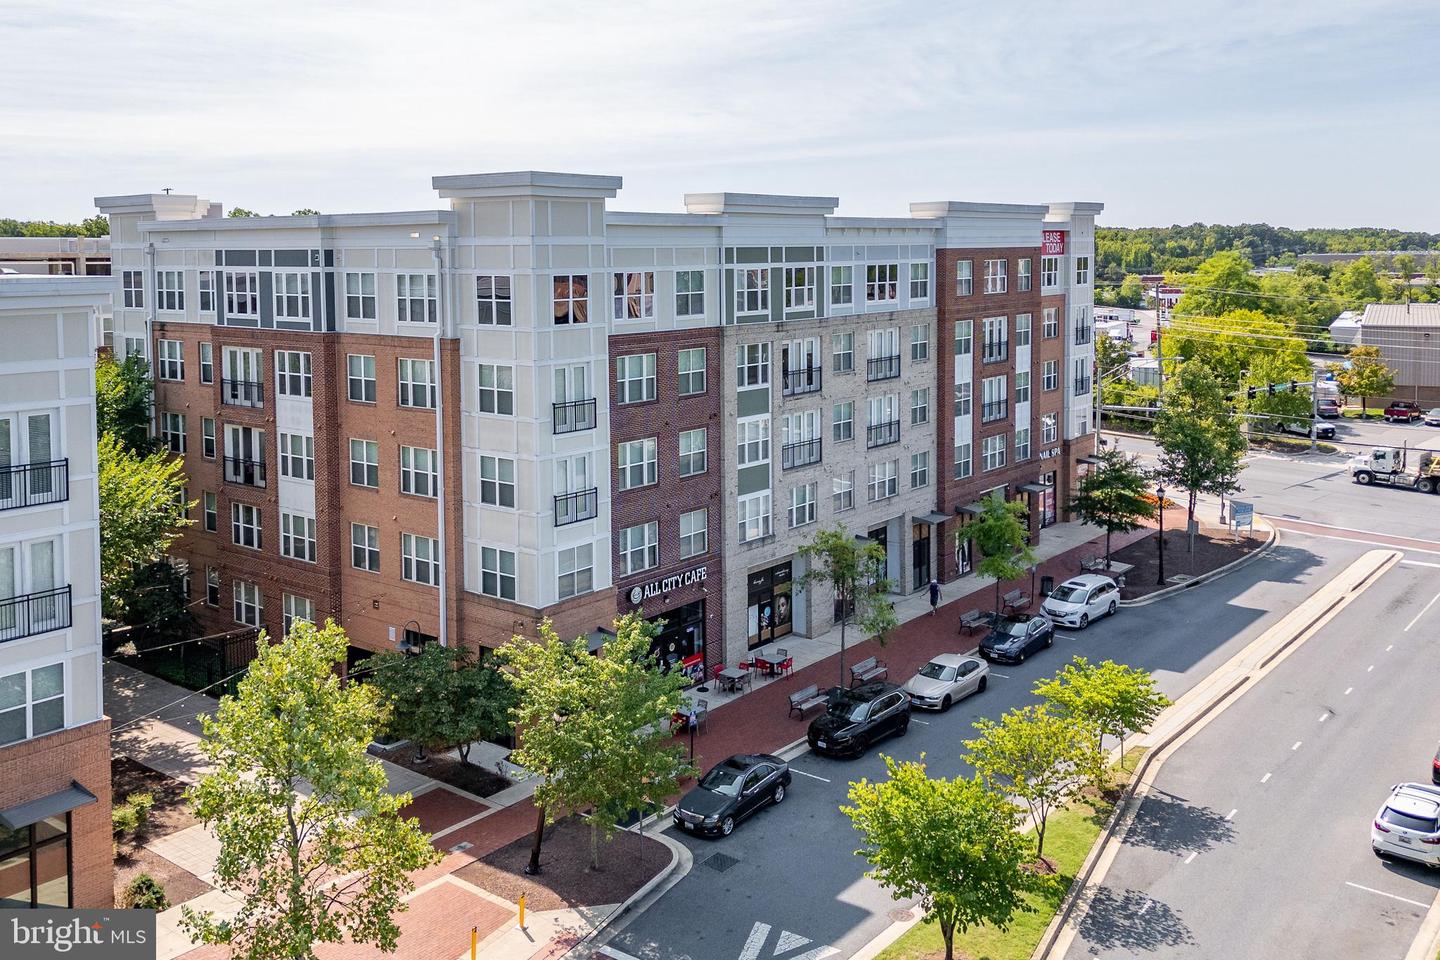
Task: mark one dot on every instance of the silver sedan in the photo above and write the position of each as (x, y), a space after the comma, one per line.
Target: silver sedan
(947, 678)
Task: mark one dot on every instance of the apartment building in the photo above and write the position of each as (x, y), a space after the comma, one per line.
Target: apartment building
(55, 834)
(529, 405)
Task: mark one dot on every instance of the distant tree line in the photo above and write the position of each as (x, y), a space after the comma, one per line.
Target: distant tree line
(97, 226)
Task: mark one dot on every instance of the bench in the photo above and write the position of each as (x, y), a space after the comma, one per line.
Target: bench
(1015, 600)
(972, 620)
(805, 698)
(867, 669)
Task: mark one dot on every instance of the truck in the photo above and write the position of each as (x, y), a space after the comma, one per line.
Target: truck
(1389, 465)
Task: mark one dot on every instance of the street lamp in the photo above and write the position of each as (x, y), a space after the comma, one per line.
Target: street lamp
(1160, 492)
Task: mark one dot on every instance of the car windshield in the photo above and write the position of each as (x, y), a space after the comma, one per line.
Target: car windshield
(937, 671)
(1068, 593)
(847, 709)
(1012, 628)
(723, 779)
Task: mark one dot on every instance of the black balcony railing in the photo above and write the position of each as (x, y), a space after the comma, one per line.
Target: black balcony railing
(801, 453)
(34, 613)
(1082, 386)
(994, 410)
(994, 351)
(242, 393)
(29, 484)
(1082, 334)
(574, 507)
(249, 472)
(883, 368)
(801, 380)
(880, 434)
(572, 415)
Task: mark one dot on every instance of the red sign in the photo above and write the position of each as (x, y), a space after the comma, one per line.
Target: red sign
(1052, 243)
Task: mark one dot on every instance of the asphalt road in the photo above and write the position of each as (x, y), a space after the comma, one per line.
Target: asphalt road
(1264, 851)
(787, 882)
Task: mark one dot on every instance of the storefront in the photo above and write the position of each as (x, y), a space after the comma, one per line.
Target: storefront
(919, 555)
(770, 596)
(1049, 503)
(680, 642)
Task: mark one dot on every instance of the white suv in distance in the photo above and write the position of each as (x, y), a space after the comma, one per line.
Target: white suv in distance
(1081, 599)
(1408, 824)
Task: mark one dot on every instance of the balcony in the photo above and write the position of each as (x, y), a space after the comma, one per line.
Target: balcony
(882, 368)
(242, 393)
(1082, 386)
(573, 415)
(994, 410)
(34, 613)
(882, 434)
(995, 351)
(1082, 335)
(249, 472)
(574, 507)
(801, 380)
(801, 453)
(31, 484)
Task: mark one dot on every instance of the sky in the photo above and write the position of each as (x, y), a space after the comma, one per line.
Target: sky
(1321, 113)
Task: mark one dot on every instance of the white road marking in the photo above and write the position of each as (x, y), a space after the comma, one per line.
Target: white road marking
(1417, 903)
(1423, 612)
(1265, 779)
(925, 722)
(1148, 905)
(1389, 648)
(1369, 668)
(1324, 717)
(1347, 691)
(1231, 814)
(1297, 745)
(1192, 856)
(1373, 543)
(756, 940)
(1002, 676)
(810, 775)
(1420, 563)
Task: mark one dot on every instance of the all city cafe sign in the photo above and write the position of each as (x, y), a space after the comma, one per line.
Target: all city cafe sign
(644, 591)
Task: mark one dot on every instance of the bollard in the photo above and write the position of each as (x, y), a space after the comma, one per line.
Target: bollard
(522, 912)
(474, 941)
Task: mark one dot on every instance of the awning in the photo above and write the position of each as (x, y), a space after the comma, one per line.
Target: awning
(1033, 487)
(1093, 461)
(71, 798)
(932, 517)
(974, 509)
(597, 638)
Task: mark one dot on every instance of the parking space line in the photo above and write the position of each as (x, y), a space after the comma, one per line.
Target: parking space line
(1369, 668)
(1193, 855)
(1231, 814)
(1422, 612)
(1389, 648)
(1324, 717)
(1002, 676)
(925, 722)
(1416, 903)
(1347, 691)
(810, 775)
(1265, 779)
(1419, 563)
(1144, 909)
(1297, 745)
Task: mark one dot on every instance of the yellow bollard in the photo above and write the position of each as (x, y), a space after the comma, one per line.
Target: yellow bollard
(522, 911)
(474, 940)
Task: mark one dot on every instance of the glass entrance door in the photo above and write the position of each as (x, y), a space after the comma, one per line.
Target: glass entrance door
(919, 555)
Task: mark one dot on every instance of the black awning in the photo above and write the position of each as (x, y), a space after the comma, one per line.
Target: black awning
(597, 638)
(974, 509)
(932, 517)
(1093, 461)
(71, 798)
(1033, 487)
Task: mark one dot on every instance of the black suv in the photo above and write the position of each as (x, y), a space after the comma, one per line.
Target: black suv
(857, 717)
(732, 790)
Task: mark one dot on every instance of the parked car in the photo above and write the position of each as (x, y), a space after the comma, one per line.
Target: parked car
(1408, 824)
(858, 717)
(1327, 407)
(1301, 428)
(1435, 768)
(1012, 639)
(945, 679)
(1082, 599)
(1432, 417)
(733, 789)
(1405, 411)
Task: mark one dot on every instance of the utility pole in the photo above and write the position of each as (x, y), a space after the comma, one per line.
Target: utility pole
(1314, 405)
(1159, 347)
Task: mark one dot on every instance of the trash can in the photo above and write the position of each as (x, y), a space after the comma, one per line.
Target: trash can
(1047, 586)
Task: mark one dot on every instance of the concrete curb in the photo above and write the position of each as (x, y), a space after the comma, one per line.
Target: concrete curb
(1426, 945)
(680, 864)
(1215, 574)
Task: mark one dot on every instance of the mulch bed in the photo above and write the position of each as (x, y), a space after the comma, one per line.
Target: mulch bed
(171, 811)
(180, 885)
(627, 862)
(1214, 548)
(469, 777)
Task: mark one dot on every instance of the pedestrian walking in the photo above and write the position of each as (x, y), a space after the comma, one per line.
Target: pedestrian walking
(934, 595)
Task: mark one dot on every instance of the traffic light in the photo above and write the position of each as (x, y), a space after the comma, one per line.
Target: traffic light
(1294, 386)
(1270, 389)
(1250, 393)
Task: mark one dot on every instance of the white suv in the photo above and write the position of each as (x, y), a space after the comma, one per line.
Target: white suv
(1408, 824)
(1081, 599)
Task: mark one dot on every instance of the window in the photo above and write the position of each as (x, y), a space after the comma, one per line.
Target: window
(690, 374)
(919, 470)
(1049, 272)
(492, 299)
(575, 567)
(249, 608)
(359, 296)
(842, 492)
(212, 587)
(497, 573)
(1082, 375)
(207, 362)
(753, 516)
(360, 372)
(1050, 375)
(297, 455)
(964, 339)
(994, 399)
(292, 295)
(996, 345)
(417, 383)
(919, 281)
(964, 278)
(752, 365)
(292, 373)
(207, 291)
(207, 438)
(1022, 444)
(365, 463)
(133, 282)
(883, 356)
(135, 347)
(962, 398)
(1083, 327)
(635, 461)
(802, 504)
(1022, 330)
(689, 293)
(753, 441)
(799, 288)
(1022, 386)
(919, 342)
(639, 548)
(1082, 271)
(635, 378)
(1022, 274)
(572, 298)
(882, 282)
(1049, 428)
(1082, 424)
(694, 533)
(920, 406)
(171, 357)
(693, 452)
(634, 295)
(992, 452)
(497, 389)
(882, 424)
(242, 293)
(996, 280)
(752, 290)
(497, 481)
(210, 511)
(420, 472)
(420, 559)
(963, 462)
(842, 286)
(800, 439)
(415, 299)
(842, 421)
(297, 537)
(842, 346)
(26, 711)
(296, 609)
(365, 547)
(245, 525)
(172, 431)
(883, 480)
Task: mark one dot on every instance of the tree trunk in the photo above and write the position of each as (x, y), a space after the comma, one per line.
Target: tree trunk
(1107, 548)
(533, 867)
(947, 931)
(843, 620)
(997, 598)
(594, 845)
(1040, 839)
(465, 752)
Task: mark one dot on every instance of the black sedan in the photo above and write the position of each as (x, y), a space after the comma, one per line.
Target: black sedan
(730, 792)
(1012, 639)
(858, 717)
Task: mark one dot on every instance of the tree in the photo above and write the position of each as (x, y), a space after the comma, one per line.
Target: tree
(305, 212)
(1036, 756)
(156, 609)
(855, 572)
(1279, 370)
(1112, 356)
(952, 844)
(311, 841)
(1105, 699)
(590, 726)
(1200, 440)
(445, 698)
(122, 401)
(242, 212)
(1364, 374)
(142, 511)
(96, 226)
(1357, 282)
(1236, 342)
(1220, 284)
(1114, 495)
(1000, 533)
(1404, 266)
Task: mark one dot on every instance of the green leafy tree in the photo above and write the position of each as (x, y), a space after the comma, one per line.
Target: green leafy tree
(156, 609)
(1112, 357)
(96, 226)
(1035, 756)
(1220, 284)
(1404, 265)
(1278, 370)
(855, 572)
(312, 844)
(1364, 375)
(242, 212)
(142, 511)
(952, 844)
(1104, 699)
(1114, 496)
(123, 392)
(1201, 445)
(306, 212)
(1236, 342)
(1000, 533)
(444, 698)
(1131, 292)
(1357, 283)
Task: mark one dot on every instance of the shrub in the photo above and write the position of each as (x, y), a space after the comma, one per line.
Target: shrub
(144, 892)
(130, 817)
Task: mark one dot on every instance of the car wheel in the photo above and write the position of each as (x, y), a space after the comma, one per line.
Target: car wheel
(1111, 611)
(1378, 852)
(779, 795)
(984, 682)
(727, 826)
(1084, 620)
(1049, 640)
(1427, 486)
(945, 704)
(1363, 478)
(900, 731)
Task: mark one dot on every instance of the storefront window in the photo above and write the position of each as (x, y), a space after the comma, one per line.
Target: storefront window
(35, 865)
(769, 612)
(1047, 500)
(680, 643)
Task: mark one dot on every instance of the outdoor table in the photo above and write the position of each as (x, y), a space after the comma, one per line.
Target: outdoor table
(763, 663)
(732, 676)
